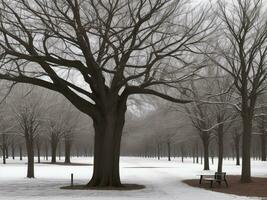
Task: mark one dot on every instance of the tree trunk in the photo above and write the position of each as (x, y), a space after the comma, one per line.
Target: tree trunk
(53, 153)
(169, 150)
(246, 147)
(237, 144)
(220, 148)
(67, 150)
(263, 147)
(158, 151)
(20, 152)
(205, 141)
(197, 160)
(212, 157)
(54, 143)
(38, 153)
(182, 153)
(7, 152)
(201, 157)
(4, 147)
(59, 151)
(30, 155)
(13, 150)
(108, 132)
(46, 151)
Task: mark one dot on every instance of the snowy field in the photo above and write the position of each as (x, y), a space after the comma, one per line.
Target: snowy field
(163, 180)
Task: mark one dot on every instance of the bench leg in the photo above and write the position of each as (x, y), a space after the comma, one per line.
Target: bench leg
(211, 183)
(200, 180)
(226, 183)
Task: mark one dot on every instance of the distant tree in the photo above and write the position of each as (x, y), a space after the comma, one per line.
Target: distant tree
(260, 128)
(55, 133)
(28, 118)
(201, 116)
(7, 132)
(38, 148)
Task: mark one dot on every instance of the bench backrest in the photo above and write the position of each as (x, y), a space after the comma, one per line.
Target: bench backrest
(220, 175)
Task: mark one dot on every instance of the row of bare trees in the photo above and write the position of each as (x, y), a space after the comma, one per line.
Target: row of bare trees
(30, 115)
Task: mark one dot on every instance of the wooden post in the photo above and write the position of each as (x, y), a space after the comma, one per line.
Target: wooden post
(71, 180)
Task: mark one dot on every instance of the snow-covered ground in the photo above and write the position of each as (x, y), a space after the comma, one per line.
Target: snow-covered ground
(163, 180)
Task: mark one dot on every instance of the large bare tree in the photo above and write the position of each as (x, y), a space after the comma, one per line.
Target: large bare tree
(97, 53)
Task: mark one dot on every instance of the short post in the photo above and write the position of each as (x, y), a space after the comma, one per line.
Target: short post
(71, 180)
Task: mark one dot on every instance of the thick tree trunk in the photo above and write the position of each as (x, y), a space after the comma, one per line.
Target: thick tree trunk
(246, 147)
(220, 148)
(67, 150)
(108, 132)
(53, 151)
(205, 141)
(30, 155)
(263, 147)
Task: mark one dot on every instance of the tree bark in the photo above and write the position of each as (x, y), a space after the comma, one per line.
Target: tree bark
(197, 160)
(237, 144)
(182, 153)
(4, 147)
(38, 153)
(108, 131)
(54, 143)
(7, 152)
(246, 148)
(20, 152)
(13, 150)
(205, 141)
(46, 151)
(158, 151)
(169, 150)
(263, 147)
(67, 150)
(30, 156)
(59, 151)
(220, 148)
(53, 152)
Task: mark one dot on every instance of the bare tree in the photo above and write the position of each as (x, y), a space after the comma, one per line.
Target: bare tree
(28, 117)
(225, 116)
(201, 116)
(38, 148)
(55, 133)
(114, 49)
(6, 133)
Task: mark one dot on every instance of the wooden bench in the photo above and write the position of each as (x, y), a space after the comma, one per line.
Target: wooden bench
(217, 177)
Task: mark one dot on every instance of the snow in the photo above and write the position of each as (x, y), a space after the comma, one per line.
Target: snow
(163, 180)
